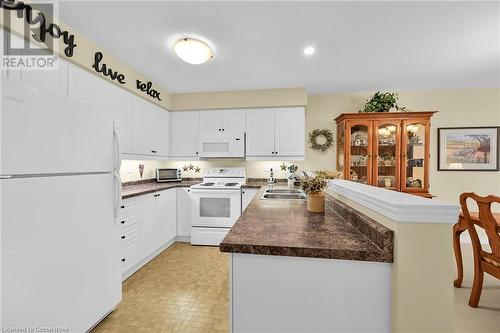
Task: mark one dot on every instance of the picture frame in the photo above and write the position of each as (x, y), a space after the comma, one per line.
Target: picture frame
(468, 148)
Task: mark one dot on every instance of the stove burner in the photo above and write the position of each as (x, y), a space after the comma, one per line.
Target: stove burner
(207, 184)
(230, 184)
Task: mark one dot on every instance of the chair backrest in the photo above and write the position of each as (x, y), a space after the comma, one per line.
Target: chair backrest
(486, 217)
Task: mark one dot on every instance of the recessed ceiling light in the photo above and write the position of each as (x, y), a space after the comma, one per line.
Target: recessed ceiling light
(309, 51)
(192, 51)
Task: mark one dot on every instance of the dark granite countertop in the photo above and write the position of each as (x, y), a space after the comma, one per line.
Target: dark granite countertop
(286, 228)
(150, 186)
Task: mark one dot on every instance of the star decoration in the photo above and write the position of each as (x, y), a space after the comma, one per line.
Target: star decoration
(191, 167)
(185, 168)
(197, 169)
(283, 166)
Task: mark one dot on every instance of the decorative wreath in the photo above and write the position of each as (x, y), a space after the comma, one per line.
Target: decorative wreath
(326, 133)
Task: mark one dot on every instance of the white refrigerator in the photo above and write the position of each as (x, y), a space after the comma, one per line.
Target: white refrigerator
(59, 193)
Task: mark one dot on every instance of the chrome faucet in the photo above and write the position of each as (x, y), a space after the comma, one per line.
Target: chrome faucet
(271, 179)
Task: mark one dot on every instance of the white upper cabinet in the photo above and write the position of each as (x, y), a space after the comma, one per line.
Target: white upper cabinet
(150, 128)
(110, 100)
(222, 121)
(233, 120)
(210, 121)
(275, 133)
(185, 129)
(289, 131)
(260, 132)
(52, 81)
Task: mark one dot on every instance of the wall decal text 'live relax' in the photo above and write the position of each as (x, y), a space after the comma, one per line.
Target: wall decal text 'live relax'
(102, 68)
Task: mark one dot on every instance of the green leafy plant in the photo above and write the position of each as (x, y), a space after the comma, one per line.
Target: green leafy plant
(382, 102)
(313, 184)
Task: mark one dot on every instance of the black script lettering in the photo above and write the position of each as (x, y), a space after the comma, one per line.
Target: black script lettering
(102, 68)
(147, 87)
(53, 29)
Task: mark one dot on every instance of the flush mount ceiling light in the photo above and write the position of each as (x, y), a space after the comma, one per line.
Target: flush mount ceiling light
(192, 51)
(308, 51)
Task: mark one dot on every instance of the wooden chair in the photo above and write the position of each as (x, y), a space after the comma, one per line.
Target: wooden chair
(488, 262)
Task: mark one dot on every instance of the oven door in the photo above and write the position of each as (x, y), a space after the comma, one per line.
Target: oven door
(215, 208)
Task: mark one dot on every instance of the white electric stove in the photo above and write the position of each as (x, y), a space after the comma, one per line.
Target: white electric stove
(215, 204)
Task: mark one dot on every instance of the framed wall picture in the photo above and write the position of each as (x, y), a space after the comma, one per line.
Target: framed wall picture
(468, 148)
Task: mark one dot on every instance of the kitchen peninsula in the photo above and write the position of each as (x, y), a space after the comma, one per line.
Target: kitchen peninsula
(355, 261)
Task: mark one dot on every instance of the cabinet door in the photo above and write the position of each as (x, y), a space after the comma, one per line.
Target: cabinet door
(210, 121)
(183, 212)
(415, 169)
(53, 81)
(161, 131)
(260, 132)
(233, 120)
(149, 228)
(144, 117)
(359, 154)
(166, 213)
(341, 147)
(386, 148)
(247, 194)
(185, 128)
(289, 131)
(108, 99)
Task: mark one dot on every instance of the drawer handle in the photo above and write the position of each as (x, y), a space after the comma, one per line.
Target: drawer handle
(123, 237)
(123, 259)
(122, 222)
(123, 206)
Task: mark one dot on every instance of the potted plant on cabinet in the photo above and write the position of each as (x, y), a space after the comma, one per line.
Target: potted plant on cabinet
(313, 187)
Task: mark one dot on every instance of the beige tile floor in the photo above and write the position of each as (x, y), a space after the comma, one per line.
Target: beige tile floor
(185, 289)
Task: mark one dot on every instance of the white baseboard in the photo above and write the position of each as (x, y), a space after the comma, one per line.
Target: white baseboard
(141, 263)
(183, 239)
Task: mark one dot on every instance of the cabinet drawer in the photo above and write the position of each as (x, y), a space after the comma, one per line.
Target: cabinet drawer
(129, 205)
(129, 233)
(127, 220)
(129, 255)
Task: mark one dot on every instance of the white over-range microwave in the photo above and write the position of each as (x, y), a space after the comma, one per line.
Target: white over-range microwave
(223, 144)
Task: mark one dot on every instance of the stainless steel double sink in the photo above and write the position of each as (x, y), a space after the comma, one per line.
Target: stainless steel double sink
(283, 194)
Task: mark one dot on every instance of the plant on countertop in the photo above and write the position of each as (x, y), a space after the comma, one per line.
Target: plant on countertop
(383, 102)
(317, 133)
(313, 185)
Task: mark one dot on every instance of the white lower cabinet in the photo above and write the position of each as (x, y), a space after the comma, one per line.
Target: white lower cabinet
(158, 226)
(247, 195)
(145, 224)
(183, 213)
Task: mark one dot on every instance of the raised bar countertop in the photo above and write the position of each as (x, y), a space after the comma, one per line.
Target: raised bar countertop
(286, 228)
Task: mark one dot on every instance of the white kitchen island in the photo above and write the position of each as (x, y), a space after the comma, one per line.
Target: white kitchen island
(353, 269)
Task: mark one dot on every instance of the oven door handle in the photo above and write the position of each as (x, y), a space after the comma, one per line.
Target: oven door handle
(196, 190)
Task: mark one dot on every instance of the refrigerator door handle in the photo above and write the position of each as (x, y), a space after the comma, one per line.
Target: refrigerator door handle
(118, 193)
(117, 151)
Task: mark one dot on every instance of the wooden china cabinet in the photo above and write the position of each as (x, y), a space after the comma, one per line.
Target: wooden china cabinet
(389, 150)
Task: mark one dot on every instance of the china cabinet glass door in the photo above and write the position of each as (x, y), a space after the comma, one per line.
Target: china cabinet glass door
(416, 153)
(358, 137)
(340, 147)
(386, 146)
